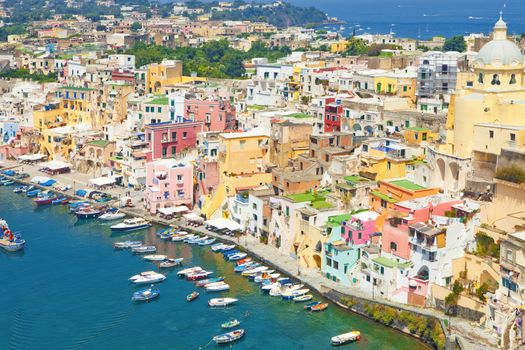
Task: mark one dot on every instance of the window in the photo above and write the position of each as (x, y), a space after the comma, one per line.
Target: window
(495, 80)
(491, 134)
(149, 136)
(242, 144)
(424, 138)
(383, 203)
(159, 109)
(179, 177)
(513, 137)
(480, 78)
(164, 151)
(389, 166)
(147, 109)
(328, 262)
(172, 115)
(509, 255)
(393, 246)
(184, 135)
(382, 270)
(512, 79)
(405, 88)
(173, 150)
(173, 135)
(336, 264)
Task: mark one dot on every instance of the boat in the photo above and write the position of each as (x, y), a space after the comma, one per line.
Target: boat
(303, 298)
(19, 189)
(192, 296)
(131, 225)
(319, 307)
(294, 293)
(229, 337)
(203, 283)
(10, 241)
(231, 324)
(144, 249)
(190, 270)
(217, 247)
(147, 277)
(197, 240)
(310, 305)
(224, 248)
(189, 237)
(345, 338)
(179, 236)
(8, 183)
(146, 294)
(127, 244)
(243, 261)
(112, 216)
(155, 257)
(60, 200)
(247, 266)
(28, 189)
(227, 253)
(219, 287)
(279, 290)
(43, 200)
(207, 241)
(254, 271)
(221, 302)
(170, 263)
(33, 193)
(266, 276)
(88, 213)
(253, 276)
(237, 256)
(198, 275)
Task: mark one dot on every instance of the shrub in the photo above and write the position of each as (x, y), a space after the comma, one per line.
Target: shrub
(511, 173)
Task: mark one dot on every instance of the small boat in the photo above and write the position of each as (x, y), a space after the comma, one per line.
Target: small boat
(266, 276)
(171, 263)
(112, 216)
(294, 293)
(155, 257)
(144, 249)
(221, 302)
(131, 225)
(147, 277)
(310, 305)
(43, 200)
(237, 256)
(230, 324)
(345, 338)
(60, 200)
(13, 245)
(189, 237)
(279, 290)
(146, 294)
(188, 271)
(229, 337)
(254, 271)
(247, 266)
(8, 183)
(207, 241)
(33, 193)
(88, 213)
(127, 244)
(224, 248)
(303, 298)
(192, 296)
(203, 283)
(19, 189)
(227, 253)
(29, 188)
(243, 261)
(253, 276)
(179, 237)
(319, 307)
(219, 287)
(198, 275)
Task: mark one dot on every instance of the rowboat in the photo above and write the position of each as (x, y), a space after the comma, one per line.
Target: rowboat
(198, 275)
(155, 257)
(179, 237)
(237, 256)
(294, 293)
(190, 270)
(229, 337)
(207, 241)
(33, 193)
(310, 305)
(203, 283)
(147, 277)
(230, 324)
(266, 276)
(192, 296)
(29, 188)
(319, 307)
(13, 245)
(127, 244)
(345, 338)
(303, 298)
(19, 189)
(144, 249)
(171, 262)
(221, 302)
(219, 287)
(146, 294)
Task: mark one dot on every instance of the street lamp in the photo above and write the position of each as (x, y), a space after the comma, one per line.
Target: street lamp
(298, 265)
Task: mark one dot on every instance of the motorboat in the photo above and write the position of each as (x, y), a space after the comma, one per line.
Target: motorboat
(310, 305)
(267, 287)
(345, 338)
(170, 263)
(127, 244)
(188, 271)
(247, 266)
(279, 290)
(143, 249)
(131, 225)
(192, 296)
(294, 293)
(189, 237)
(203, 283)
(238, 256)
(146, 294)
(43, 200)
(254, 271)
(29, 188)
(222, 302)
(319, 307)
(88, 213)
(207, 241)
(60, 200)
(10, 241)
(179, 236)
(8, 183)
(303, 298)
(217, 287)
(217, 247)
(229, 337)
(33, 193)
(227, 253)
(266, 276)
(155, 257)
(198, 275)
(147, 277)
(243, 261)
(197, 240)
(224, 248)
(253, 276)
(19, 189)
(231, 324)
(166, 234)
(108, 216)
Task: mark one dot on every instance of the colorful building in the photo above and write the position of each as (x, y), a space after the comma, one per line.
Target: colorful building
(168, 139)
(215, 114)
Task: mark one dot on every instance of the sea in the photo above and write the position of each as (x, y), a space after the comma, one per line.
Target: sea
(69, 290)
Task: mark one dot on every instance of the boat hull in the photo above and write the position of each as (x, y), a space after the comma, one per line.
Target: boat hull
(132, 228)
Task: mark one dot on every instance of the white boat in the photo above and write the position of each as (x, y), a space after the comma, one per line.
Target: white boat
(207, 241)
(229, 337)
(220, 287)
(237, 256)
(112, 216)
(179, 237)
(213, 284)
(144, 249)
(279, 290)
(269, 276)
(183, 273)
(222, 302)
(147, 277)
(254, 271)
(155, 257)
(127, 244)
(294, 293)
(189, 237)
(131, 225)
(345, 338)
(171, 262)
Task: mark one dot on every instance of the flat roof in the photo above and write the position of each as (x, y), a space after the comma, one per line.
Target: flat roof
(408, 185)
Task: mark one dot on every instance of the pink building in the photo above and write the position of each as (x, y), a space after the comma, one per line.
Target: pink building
(395, 236)
(168, 139)
(216, 114)
(360, 228)
(169, 183)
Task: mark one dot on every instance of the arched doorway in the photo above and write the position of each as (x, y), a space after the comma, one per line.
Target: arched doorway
(369, 130)
(317, 260)
(356, 127)
(441, 166)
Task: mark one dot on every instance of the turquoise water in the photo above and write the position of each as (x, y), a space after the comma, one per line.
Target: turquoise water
(69, 290)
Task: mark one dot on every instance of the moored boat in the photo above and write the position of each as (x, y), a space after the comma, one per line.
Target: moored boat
(60, 200)
(127, 244)
(312, 304)
(170, 263)
(144, 249)
(231, 324)
(345, 338)
(229, 337)
(19, 189)
(207, 241)
(221, 302)
(146, 294)
(9, 240)
(109, 216)
(319, 307)
(43, 200)
(303, 298)
(88, 213)
(131, 225)
(188, 271)
(294, 293)
(155, 257)
(237, 256)
(147, 277)
(198, 275)
(192, 296)
(203, 283)
(217, 287)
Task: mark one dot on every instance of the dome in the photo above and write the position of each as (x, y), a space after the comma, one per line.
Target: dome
(503, 52)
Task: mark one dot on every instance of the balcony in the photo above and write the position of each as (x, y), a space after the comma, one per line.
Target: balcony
(241, 199)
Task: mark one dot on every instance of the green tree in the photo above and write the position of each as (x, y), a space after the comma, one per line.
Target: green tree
(356, 47)
(135, 26)
(456, 43)
(101, 28)
(233, 65)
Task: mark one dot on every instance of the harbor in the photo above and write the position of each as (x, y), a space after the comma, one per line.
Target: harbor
(82, 281)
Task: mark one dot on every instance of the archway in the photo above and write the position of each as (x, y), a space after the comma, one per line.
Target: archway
(441, 165)
(317, 260)
(454, 170)
(369, 130)
(356, 127)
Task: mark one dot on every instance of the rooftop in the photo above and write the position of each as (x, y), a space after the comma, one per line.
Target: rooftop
(384, 197)
(390, 262)
(407, 185)
(159, 100)
(75, 88)
(99, 143)
(334, 221)
(417, 128)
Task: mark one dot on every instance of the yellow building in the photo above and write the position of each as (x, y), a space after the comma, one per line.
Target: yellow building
(385, 162)
(339, 46)
(162, 74)
(417, 136)
(400, 83)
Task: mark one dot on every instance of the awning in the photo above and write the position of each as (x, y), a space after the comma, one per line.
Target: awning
(103, 181)
(42, 180)
(223, 223)
(55, 165)
(32, 157)
(193, 217)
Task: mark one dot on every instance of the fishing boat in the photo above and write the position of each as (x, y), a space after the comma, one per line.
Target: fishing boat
(131, 225)
(155, 257)
(190, 270)
(217, 247)
(243, 261)
(127, 244)
(143, 249)
(227, 253)
(253, 276)
(171, 263)
(60, 200)
(192, 296)
(198, 275)
(19, 189)
(345, 338)
(319, 307)
(294, 293)
(33, 193)
(207, 241)
(225, 248)
(222, 302)
(254, 271)
(189, 237)
(231, 324)
(310, 305)
(112, 216)
(146, 294)
(229, 337)
(303, 298)
(236, 257)
(267, 287)
(8, 183)
(147, 277)
(43, 200)
(203, 283)
(10, 241)
(197, 240)
(88, 213)
(217, 287)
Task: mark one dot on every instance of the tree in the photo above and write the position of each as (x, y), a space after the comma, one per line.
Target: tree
(101, 28)
(456, 43)
(356, 47)
(233, 65)
(135, 26)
